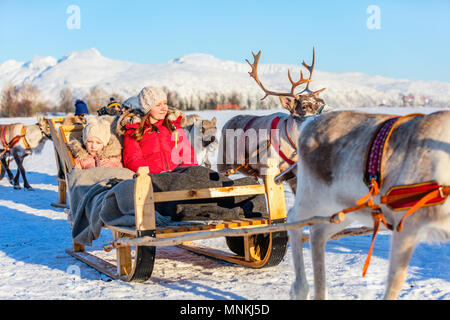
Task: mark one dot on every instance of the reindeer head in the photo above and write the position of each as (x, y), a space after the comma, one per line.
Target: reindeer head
(209, 131)
(44, 126)
(297, 104)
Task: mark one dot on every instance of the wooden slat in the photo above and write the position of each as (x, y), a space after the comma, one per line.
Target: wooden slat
(67, 133)
(126, 230)
(275, 195)
(231, 224)
(59, 205)
(77, 247)
(123, 258)
(54, 124)
(209, 193)
(62, 191)
(97, 263)
(169, 233)
(242, 223)
(221, 225)
(143, 201)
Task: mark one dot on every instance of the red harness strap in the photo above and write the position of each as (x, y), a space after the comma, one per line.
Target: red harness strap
(8, 145)
(3, 138)
(275, 143)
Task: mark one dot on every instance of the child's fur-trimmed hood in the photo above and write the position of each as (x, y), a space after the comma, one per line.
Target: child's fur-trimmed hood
(112, 149)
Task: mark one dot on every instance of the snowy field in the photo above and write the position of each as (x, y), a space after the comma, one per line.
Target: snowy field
(34, 236)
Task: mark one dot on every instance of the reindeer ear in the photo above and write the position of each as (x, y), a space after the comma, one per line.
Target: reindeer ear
(316, 93)
(288, 103)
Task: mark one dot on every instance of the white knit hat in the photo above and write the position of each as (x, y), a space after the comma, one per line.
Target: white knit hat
(150, 96)
(98, 128)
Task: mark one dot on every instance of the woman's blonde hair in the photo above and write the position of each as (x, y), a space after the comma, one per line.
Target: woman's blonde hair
(140, 131)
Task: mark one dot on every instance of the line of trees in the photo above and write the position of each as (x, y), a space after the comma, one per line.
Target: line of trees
(24, 101)
(210, 101)
(27, 100)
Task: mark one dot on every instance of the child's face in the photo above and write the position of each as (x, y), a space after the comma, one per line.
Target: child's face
(94, 145)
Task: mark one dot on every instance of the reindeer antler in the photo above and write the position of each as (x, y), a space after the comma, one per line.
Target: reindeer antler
(310, 69)
(299, 82)
(254, 75)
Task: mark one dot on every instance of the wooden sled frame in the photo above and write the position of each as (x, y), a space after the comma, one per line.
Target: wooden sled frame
(54, 124)
(255, 243)
(253, 250)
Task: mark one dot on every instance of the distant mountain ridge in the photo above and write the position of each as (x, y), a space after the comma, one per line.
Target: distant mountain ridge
(194, 75)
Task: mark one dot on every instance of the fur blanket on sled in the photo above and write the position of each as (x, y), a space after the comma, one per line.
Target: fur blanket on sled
(105, 195)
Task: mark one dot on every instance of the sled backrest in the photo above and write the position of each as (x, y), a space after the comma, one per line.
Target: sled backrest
(54, 125)
(66, 134)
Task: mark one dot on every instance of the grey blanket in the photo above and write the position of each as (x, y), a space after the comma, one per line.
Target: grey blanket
(105, 195)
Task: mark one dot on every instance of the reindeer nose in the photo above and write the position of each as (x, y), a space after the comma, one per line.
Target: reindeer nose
(208, 142)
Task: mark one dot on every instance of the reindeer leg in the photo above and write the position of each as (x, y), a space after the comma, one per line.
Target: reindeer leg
(2, 168)
(22, 171)
(5, 164)
(293, 184)
(300, 287)
(16, 182)
(320, 234)
(402, 247)
(207, 164)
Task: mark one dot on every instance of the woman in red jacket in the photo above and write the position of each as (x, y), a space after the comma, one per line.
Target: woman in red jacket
(156, 141)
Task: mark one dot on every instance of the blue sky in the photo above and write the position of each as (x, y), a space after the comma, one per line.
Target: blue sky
(412, 42)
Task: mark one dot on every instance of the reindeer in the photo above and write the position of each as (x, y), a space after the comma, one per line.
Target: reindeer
(18, 141)
(202, 136)
(72, 119)
(333, 157)
(239, 130)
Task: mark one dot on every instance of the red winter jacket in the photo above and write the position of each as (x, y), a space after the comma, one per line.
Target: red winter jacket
(157, 148)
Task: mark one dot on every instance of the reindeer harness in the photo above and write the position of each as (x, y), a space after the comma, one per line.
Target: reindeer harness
(271, 141)
(8, 145)
(399, 198)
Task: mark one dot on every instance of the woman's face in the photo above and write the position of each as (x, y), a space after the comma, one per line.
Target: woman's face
(158, 112)
(94, 145)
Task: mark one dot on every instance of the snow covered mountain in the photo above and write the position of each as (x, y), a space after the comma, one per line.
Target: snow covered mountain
(194, 75)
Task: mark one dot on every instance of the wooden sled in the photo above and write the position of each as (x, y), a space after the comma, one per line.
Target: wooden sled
(255, 250)
(253, 242)
(54, 124)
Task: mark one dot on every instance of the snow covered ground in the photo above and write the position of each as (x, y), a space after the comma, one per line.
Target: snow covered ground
(34, 235)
